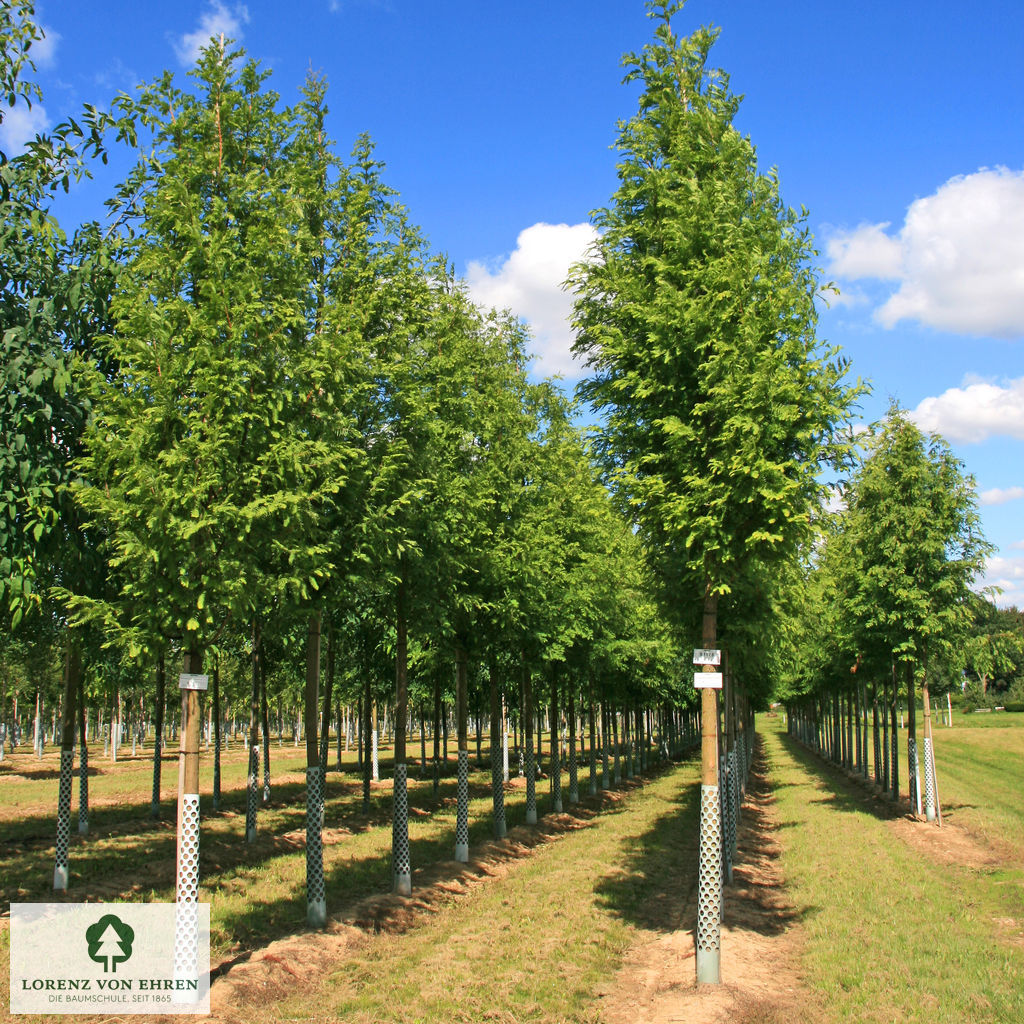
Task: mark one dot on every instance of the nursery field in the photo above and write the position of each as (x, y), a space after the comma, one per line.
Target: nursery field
(842, 907)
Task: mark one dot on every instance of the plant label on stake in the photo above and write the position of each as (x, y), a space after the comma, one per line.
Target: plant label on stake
(707, 678)
(704, 656)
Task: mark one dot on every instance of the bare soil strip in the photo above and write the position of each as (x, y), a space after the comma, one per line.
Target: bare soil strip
(761, 941)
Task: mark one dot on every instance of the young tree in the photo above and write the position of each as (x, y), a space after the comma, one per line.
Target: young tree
(916, 548)
(696, 316)
(200, 465)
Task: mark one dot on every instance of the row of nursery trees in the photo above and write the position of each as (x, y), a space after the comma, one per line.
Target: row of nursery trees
(253, 414)
(885, 606)
(254, 411)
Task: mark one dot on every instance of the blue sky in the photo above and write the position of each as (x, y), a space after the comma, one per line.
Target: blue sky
(898, 126)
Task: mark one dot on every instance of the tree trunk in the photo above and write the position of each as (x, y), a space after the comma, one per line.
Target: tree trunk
(556, 759)
(325, 718)
(215, 722)
(530, 751)
(574, 783)
(265, 715)
(592, 788)
(497, 780)
(894, 761)
(187, 882)
(709, 901)
(437, 729)
(400, 818)
(316, 897)
(462, 790)
(158, 740)
(83, 765)
(368, 727)
(72, 678)
(913, 782)
(253, 777)
(931, 794)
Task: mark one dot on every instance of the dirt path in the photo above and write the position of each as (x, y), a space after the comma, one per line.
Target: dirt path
(761, 942)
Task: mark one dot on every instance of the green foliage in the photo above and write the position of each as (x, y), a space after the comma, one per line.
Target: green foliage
(53, 294)
(207, 462)
(697, 319)
(912, 544)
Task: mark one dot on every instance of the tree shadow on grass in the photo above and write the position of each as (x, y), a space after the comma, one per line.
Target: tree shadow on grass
(655, 885)
(846, 792)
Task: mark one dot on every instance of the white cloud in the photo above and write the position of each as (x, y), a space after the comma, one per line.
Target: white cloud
(44, 51)
(529, 283)
(20, 125)
(976, 411)
(959, 257)
(1007, 576)
(866, 251)
(216, 20)
(1001, 495)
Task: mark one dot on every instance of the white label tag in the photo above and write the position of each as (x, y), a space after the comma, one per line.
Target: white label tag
(706, 656)
(707, 680)
(191, 681)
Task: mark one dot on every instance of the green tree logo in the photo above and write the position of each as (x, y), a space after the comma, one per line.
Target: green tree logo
(110, 942)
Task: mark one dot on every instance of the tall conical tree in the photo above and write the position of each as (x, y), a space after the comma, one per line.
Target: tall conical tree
(697, 319)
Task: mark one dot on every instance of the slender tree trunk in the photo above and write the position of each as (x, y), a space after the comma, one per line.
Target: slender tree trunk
(556, 760)
(613, 724)
(375, 738)
(913, 782)
(253, 777)
(158, 742)
(369, 725)
(265, 715)
(325, 718)
(215, 723)
(400, 820)
(83, 761)
(423, 740)
(605, 775)
(930, 780)
(72, 677)
(531, 754)
(462, 790)
(187, 882)
(886, 747)
(497, 779)
(592, 788)
(709, 903)
(437, 730)
(574, 783)
(894, 761)
(316, 896)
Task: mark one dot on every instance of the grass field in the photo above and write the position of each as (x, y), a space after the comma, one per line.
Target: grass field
(893, 933)
(892, 928)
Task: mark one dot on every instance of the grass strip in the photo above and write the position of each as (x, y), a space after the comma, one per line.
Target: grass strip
(892, 936)
(534, 945)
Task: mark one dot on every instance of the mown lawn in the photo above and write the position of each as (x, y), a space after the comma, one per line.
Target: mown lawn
(893, 934)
